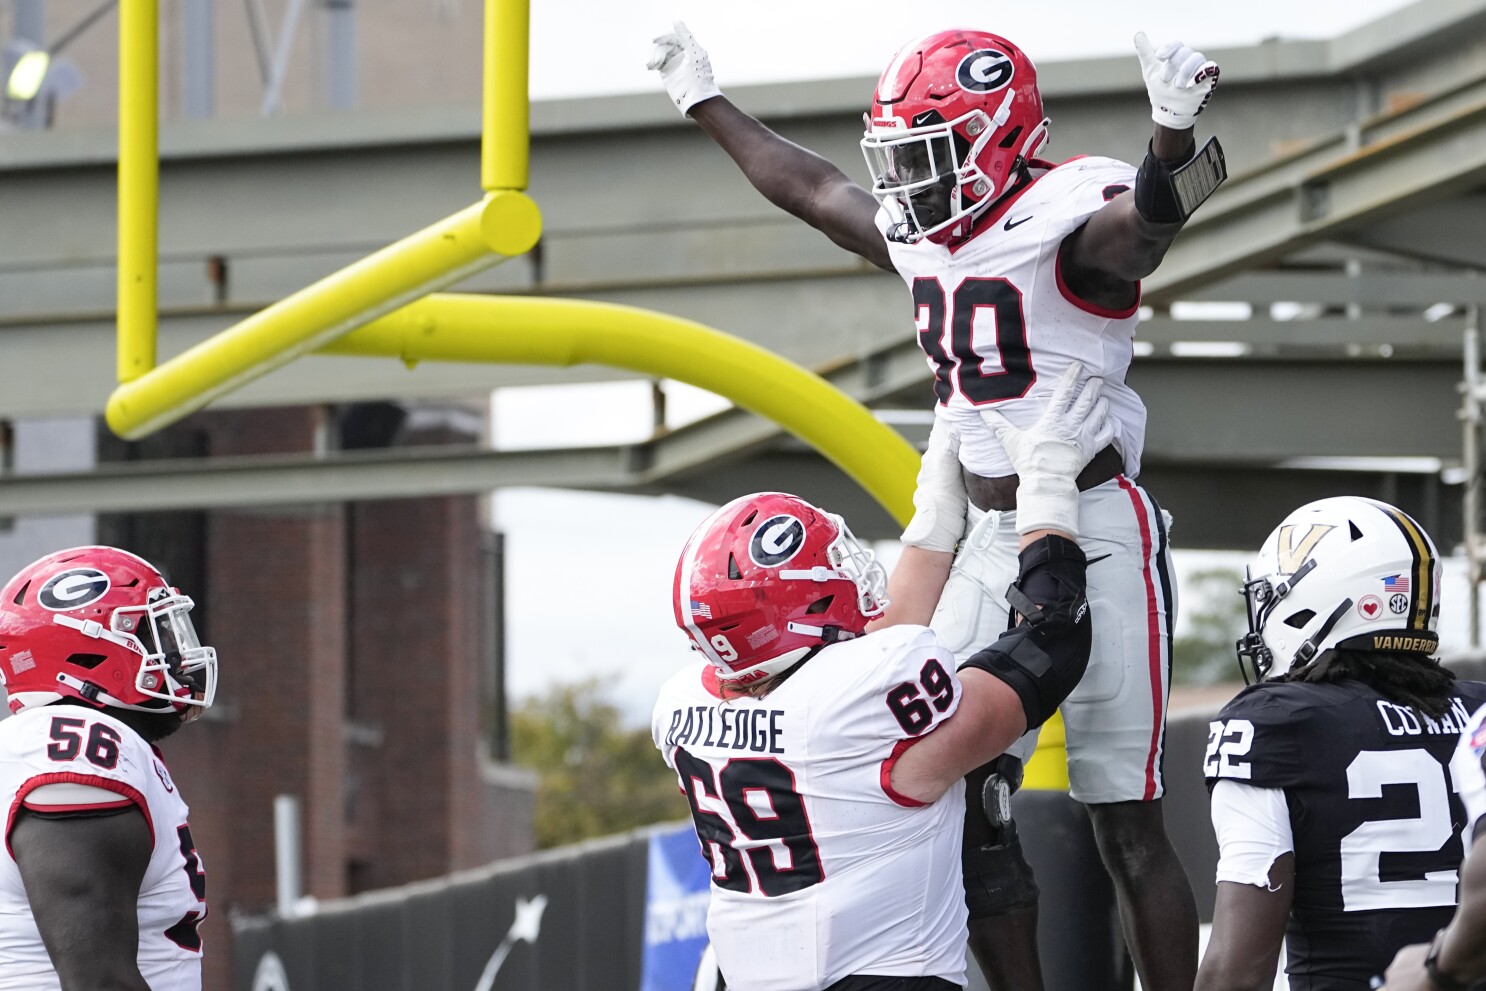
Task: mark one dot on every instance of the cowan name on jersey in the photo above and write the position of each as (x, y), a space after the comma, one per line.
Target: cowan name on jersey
(60, 758)
(1000, 326)
(819, 869)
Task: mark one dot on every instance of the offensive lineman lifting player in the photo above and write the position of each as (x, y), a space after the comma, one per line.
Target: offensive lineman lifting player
(823, 765)
(1017, 268)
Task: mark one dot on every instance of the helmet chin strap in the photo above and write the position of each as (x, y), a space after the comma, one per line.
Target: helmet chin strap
(97, 631)
(827, 634)
(1307, 651)
(819, 573)
(94, 693)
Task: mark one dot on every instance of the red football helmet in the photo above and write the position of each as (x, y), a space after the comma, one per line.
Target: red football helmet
(102, 625)
(769, 577)
(955, 116)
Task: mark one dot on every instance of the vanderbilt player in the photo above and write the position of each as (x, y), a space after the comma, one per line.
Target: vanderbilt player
(1018, 267)
(100, 882)
(823, 765)
(1337, 818)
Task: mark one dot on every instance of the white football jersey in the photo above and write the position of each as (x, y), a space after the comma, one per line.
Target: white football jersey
(1000, 327)
(820, 870)
(52, 752)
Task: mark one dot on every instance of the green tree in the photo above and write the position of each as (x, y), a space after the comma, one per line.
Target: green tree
(596, 776)
(1204, 654)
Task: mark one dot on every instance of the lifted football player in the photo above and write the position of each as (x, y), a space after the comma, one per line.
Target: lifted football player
(824, 764)
(100, 882)
(1337, 821)
(1018, 267)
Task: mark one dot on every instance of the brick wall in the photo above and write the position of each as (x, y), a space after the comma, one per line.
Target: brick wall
(351, 651)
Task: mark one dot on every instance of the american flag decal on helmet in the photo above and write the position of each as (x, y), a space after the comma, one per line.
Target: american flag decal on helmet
(701, 609)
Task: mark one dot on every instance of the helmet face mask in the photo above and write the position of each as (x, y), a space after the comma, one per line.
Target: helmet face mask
(102, 626)
(767, 579)
(918, 175)
(955, 118)
(1347, 573)
(171, 652)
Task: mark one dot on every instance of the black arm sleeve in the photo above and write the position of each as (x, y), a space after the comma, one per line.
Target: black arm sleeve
(1043, 657)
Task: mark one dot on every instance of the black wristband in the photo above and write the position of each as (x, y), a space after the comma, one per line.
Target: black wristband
(1437, 977)
(1169, 195)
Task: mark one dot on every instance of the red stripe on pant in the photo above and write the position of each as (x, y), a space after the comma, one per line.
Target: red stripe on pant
(1153, 632)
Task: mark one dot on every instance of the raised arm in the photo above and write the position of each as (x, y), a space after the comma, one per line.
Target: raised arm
(1125, 242)
(793, 178)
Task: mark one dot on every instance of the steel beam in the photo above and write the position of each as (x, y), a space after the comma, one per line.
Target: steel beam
(1398, 288)
(1217, 505)
(1432, 151)
(145, 486)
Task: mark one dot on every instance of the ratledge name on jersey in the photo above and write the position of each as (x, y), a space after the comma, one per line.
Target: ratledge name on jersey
(1403, 720)
(726, 727)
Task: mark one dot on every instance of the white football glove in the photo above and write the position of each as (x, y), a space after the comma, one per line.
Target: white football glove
(684, 68)
(939, 498)
(1178, 80)
(1049, 455)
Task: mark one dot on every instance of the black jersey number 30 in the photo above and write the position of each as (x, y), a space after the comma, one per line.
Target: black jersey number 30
(960, 365)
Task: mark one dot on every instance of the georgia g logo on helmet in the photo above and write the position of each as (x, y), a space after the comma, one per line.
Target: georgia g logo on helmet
(776, 540)
(72, 589)
(984, 71)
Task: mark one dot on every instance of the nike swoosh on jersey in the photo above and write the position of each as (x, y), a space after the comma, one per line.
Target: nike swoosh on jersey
(1015, 223)
(1096, 560)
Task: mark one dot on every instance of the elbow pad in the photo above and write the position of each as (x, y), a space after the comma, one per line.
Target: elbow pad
(1044, 656)
(939, 498)
(1166, 195)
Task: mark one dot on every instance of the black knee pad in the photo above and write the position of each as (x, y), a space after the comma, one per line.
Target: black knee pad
(998, 879)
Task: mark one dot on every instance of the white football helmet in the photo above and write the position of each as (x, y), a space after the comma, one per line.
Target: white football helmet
(1344, 572)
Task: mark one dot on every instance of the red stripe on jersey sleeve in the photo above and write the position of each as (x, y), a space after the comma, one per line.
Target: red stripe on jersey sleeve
(886, 774)
(128, 796)
(1094, 308)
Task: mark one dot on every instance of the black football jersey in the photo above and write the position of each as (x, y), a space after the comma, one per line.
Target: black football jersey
(1376, 818)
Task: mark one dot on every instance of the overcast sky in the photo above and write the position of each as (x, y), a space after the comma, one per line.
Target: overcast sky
(606, 43)
(590, 575)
